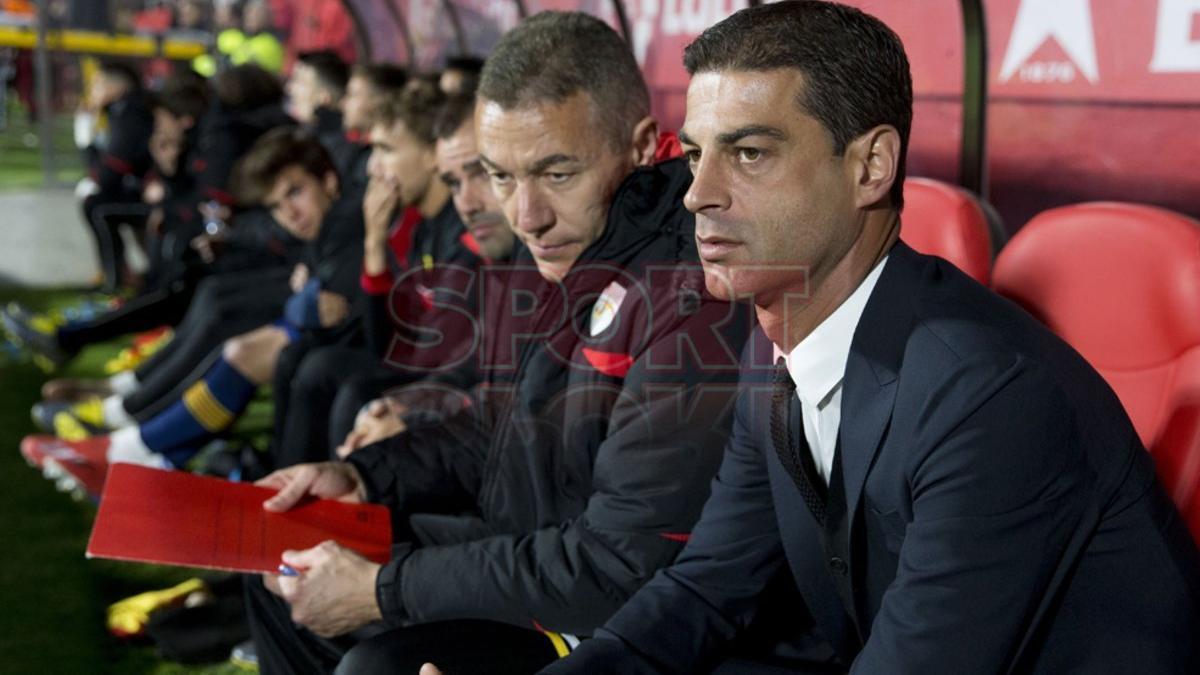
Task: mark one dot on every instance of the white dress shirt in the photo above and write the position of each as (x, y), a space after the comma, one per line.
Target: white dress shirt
(818, 365)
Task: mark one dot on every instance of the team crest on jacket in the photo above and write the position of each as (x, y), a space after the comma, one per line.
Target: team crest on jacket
(605, 309)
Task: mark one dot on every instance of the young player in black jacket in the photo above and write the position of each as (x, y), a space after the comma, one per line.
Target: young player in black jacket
(291, 174)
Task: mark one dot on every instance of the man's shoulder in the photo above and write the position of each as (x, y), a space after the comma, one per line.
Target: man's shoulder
(954, 319)
(962, 343)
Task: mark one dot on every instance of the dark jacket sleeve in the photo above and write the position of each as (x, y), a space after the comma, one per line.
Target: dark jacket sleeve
(432, 469)
(220, 148)
(377, 306)
(253, 239)
(126, 160)
(689, 611)
(649, 481)
(340, 273)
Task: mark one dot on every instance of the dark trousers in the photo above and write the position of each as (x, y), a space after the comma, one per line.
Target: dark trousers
(162, 307)
(224, 306)
(458, 647)
(104, 218)
(318, 392)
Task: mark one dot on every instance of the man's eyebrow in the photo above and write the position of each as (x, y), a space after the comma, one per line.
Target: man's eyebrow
(547, 162)
(537, 167)
(472, 165)
(731, 137)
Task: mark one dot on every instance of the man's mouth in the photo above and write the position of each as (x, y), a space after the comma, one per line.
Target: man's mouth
(547, 250)
(714, 248)
(484, 227)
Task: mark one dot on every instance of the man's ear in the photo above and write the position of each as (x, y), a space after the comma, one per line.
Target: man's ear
(331, 184)
(875, 160)
(645, 141)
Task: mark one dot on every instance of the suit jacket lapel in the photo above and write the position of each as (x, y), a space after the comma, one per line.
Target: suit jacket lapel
(869, 386)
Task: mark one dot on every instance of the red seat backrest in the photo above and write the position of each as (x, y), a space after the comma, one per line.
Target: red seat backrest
(946, 221)
(1121, 284)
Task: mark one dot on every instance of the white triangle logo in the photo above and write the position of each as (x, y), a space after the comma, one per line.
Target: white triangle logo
(1067, 21)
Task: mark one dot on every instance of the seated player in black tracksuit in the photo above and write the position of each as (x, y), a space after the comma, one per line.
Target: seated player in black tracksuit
(246, 102)
(117, 163)
(316, 91)
(444, 387)
(177, 110)
(292, 175)
(609, 376)
(370, 84)
(225, 304)
(432, 294)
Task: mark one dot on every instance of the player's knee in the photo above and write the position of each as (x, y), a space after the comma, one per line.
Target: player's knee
(237, 351)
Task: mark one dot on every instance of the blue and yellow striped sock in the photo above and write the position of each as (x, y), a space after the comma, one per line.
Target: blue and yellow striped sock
(208, 407)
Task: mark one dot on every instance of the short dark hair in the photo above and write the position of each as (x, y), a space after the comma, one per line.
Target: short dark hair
(455, 112)
(467, 63)
(416, 107)
(383, 78)
(123, 71)
(856, 75)
(247, 87)
(331, 71)
(185, 93)
(554, 55)
(469, 67)
(273, 153)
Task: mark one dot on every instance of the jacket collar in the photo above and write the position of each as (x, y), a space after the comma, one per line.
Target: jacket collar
(647, 205)
(327, 121)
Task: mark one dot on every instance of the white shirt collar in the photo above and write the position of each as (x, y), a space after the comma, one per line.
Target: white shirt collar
(818, 364)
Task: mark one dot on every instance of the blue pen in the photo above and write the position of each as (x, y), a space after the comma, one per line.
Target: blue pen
(288, 571)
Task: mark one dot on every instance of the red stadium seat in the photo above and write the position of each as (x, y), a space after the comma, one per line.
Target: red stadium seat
(946, 221)
(1121, 283)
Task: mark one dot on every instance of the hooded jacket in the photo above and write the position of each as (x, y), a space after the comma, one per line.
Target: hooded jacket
(349, 156)
(587, 456)
(408, 302)
(225, 135)
(120, 166)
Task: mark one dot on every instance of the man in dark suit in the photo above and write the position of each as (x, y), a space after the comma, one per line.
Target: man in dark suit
(950, 487)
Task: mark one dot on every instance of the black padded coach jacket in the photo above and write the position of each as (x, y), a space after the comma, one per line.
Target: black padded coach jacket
(587, 455)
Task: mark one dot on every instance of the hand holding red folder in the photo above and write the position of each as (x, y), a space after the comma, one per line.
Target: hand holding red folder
(176, 518)
(324, 480)
(334, 591)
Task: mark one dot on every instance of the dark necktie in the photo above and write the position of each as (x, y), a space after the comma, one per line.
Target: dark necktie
(792, 446)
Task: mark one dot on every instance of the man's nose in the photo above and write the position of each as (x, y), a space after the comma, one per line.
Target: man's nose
(534, 214)
(709, 189)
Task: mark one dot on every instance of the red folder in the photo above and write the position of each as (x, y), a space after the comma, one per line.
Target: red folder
(177, 518)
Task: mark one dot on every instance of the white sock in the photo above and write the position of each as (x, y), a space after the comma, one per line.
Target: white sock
(115, 416)
(124, 383)
(125, 445)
